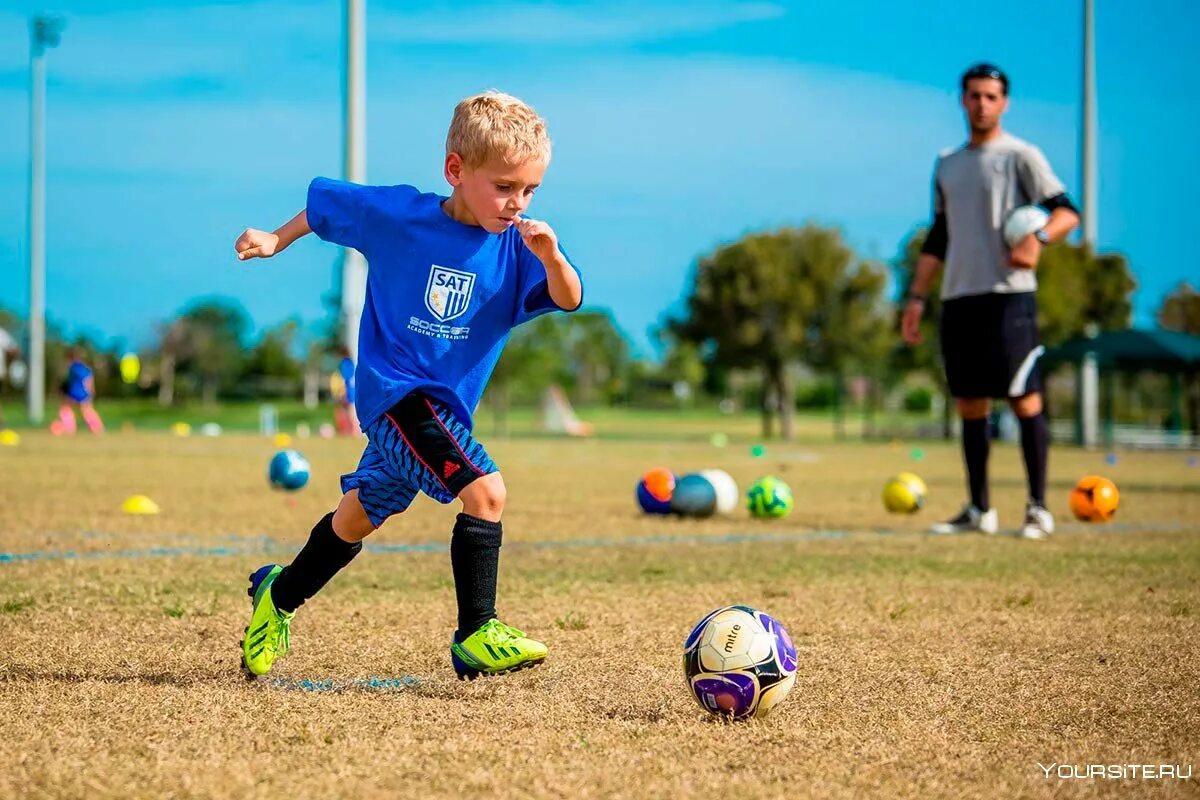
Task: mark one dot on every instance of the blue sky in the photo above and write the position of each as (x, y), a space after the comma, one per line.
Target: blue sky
(677, 126)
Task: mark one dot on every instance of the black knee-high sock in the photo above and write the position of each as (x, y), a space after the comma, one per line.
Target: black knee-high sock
(322, 556)
(475, 561)
(1035, 445)
(976, 441)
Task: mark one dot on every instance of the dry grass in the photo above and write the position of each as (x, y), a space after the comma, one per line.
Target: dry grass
(927, 667)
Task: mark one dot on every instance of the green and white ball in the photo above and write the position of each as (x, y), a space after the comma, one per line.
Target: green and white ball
(769, 498)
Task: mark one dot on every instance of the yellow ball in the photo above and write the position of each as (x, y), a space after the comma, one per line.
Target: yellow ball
(904, 494)
(9, 438)
(131, 367)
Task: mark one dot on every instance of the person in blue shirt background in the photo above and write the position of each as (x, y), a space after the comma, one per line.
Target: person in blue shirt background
(448, 279)
(345, 419)
(78, 391)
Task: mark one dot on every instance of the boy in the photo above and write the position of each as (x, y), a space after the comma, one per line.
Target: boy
(449, 278)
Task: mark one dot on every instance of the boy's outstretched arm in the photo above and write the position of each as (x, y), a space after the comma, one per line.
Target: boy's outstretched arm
(260, 244)
(562, 282)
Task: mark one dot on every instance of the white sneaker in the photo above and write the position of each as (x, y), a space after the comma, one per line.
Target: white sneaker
(1039, 523)
(969, 520)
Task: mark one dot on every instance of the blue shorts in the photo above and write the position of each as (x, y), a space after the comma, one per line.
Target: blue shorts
(417, 445)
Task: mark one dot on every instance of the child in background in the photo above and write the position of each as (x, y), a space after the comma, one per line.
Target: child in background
(78, 390)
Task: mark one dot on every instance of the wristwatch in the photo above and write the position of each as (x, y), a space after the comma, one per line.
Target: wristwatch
(1041, 235)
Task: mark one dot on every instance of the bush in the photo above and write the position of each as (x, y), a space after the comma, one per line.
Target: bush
(817, 396)
(919, 399)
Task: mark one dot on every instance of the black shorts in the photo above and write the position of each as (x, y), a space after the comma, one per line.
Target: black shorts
(418, 445)
(990, 345)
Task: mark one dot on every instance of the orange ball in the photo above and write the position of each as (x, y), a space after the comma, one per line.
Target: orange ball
(1095, 499)
(660, 483)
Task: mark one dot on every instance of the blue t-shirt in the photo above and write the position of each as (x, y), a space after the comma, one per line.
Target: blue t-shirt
(441, 296)
(75, 385)
(346, 370)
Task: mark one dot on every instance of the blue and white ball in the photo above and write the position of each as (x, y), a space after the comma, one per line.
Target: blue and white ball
(289, 470)
(739, 663)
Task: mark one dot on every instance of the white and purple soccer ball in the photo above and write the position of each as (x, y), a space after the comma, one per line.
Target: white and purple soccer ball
(739, 662)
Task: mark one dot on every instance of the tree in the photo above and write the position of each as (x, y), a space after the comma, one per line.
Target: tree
(207, 340)
(927, 356)
(597, 354)
(763, 300)
(533, 359)
(1180, 310)
(852, 333)
(273, 356)
(1078, 288)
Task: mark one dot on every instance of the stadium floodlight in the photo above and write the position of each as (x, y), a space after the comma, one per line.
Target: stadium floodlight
(45, 31)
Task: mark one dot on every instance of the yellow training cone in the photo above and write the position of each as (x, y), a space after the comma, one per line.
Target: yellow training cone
(181, 429)
(9, 438)
(282, 440)
(139, 504)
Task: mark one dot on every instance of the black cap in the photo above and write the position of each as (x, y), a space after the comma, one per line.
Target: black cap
(985, 70)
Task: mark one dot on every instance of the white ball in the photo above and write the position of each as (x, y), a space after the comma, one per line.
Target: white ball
(728, 494)
(1022, 222)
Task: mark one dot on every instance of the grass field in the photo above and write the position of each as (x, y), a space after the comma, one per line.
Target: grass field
(928, 667)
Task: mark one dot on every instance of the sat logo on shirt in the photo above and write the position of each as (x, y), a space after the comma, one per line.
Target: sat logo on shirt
(448, 293)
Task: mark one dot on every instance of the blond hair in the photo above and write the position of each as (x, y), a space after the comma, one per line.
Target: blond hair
(494, 124)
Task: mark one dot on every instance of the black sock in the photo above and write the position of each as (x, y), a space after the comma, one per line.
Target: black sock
(322, 556)
(1035, 444)
(475, 560)
(976, 441)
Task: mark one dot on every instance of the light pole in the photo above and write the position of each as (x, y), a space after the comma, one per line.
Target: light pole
(354, 266)
(44, 32)
(1089, 373)
(1091, 205)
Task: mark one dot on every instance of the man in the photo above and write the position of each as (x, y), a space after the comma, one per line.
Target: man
(989, 315)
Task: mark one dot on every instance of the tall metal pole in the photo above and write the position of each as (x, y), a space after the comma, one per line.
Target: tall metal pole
(1089, 389)
(43, 33)
(354, 266)
(1091, 206)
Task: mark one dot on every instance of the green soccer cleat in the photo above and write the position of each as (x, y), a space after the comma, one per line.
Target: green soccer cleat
(267, 635)
(494, 649)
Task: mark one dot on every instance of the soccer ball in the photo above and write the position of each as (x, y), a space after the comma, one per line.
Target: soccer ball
(694, 496)
(769, 498)
(1023, 221)
(288, 470)
(904, 494)
(1095, 499)
(654, 491)
(739, 663)
(725, 487)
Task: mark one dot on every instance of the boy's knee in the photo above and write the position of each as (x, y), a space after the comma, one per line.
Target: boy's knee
(485, 497)
(350, 521)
